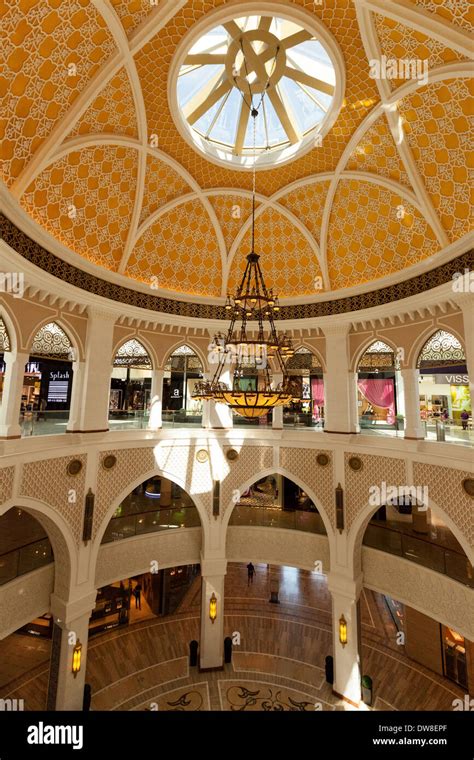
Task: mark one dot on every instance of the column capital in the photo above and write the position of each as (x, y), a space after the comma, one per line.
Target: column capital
(100, 312)
(336, 329)
(15, 356)
(213, 566)
(344, 584)
(65, 613)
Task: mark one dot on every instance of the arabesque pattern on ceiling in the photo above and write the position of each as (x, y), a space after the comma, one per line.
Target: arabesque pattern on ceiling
(92, 154)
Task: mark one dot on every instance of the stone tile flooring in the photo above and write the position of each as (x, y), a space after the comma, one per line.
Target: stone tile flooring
(279, 664)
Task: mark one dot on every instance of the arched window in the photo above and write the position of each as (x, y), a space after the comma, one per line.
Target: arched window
(378, 356)
(4, 346)
(4, 337)
(51, 342)
(302, 362)
(132, 354)
(442, 349)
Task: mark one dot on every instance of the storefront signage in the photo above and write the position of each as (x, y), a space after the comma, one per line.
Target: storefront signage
(453, 379)
(58, 375)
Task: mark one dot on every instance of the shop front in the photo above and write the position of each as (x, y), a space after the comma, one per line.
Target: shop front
(182, 371)
(130, 385)
(444, 382)
(306, 371)
(377, 387)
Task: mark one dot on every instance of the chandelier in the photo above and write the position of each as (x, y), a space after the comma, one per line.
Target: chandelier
(249, 349)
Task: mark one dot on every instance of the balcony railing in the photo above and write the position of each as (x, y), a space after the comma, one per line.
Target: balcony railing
(150, 522)
(422, 551)
(25, 559)
(274, 517)
(54, 422)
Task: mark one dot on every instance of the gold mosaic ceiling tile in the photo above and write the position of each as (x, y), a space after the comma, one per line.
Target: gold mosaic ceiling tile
(179, 252)
(113, 110)
(287, 262)
(85, 200)
(50, 54)
(162, 184)
(372, 233)
(307, 203)
(231, 211)
(460, 12)
(439, 131)
(398, 41)
(377, 153)
(132, 12)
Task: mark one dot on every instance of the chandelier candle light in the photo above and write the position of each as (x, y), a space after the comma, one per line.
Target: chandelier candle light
(250, 347)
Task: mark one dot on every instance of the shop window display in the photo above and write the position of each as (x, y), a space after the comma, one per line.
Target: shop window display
(444, 382)
(131, 380)
(376, 386)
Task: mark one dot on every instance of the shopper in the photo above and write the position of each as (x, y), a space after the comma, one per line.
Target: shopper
(250, 573)
(137, 593)
(464, 419)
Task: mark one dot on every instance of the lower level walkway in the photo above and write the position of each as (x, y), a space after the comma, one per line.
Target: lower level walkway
(278, 665)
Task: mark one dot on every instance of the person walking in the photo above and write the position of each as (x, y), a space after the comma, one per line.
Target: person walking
(250, 573)
(464, 419)
(137, 593)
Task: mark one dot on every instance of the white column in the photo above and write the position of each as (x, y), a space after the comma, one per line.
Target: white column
(220, 415)
(11, 401)
(206, 405)
(78, 369)
(354, 409)
(345, 593)
(211, 645)
(339, 384)
(399, 392)
(466, 303)
(94, 407)
(277, 413)
(156, 399)
(66, 691)
(411, 391)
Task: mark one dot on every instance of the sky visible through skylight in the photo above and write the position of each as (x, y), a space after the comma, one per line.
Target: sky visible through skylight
(297, 106)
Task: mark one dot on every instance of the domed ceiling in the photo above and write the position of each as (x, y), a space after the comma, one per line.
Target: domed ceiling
(148, 184)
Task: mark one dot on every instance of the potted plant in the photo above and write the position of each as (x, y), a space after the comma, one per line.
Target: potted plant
(367, 689)
(399, 422)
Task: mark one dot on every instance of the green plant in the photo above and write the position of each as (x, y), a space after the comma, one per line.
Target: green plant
(366, 682)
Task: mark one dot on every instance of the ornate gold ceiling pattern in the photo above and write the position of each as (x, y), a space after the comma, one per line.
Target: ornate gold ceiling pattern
(91, 151)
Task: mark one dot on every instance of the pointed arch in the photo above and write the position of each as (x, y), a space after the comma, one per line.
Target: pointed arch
(134, 346)
(363, 349)
(58, 333)
(155, 472)
(359, 526)
(12, 326)
(186, 344)
(277, 469)
(428, 335)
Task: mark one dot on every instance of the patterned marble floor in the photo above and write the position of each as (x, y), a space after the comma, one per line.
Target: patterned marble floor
(278, 665)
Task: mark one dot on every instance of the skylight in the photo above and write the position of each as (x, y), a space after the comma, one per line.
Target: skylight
(232, 66)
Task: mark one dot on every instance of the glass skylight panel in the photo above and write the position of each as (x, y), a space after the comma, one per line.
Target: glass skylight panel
(305, 110)
(226, 124)
(203, 124)
(190, 83)
(261, 139)
(225, 65)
